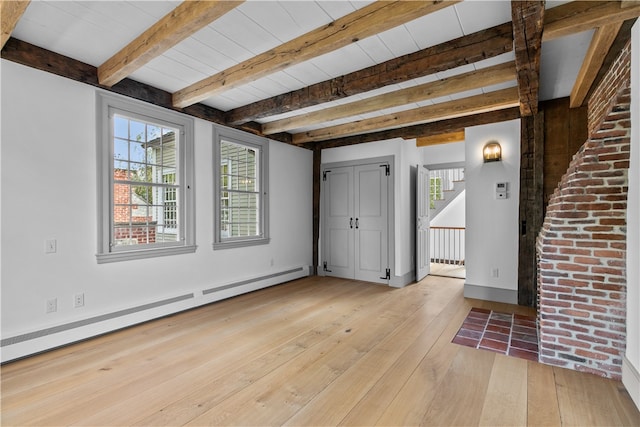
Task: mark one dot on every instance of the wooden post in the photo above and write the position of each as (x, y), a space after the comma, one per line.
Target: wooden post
(531, 204)
(317, 158)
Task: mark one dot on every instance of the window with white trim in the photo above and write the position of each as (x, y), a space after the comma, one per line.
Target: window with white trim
(240, 186)
(145, 165)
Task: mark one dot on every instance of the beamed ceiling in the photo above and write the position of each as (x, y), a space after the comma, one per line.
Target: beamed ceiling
(328, 73)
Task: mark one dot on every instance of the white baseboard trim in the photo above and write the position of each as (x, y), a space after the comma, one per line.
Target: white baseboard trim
(631, 380)
(402, 281)
(44, 339)
(486, 293)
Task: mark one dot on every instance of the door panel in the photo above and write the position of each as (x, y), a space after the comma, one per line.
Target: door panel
(423, 263)
(371, 233)
(338, 229)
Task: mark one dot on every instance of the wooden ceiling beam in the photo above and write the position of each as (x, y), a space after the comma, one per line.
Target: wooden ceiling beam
(446, 56)
(528, 18)
(10, 12)
(443, 138)
(417, 131)
(367, 21)
(601, 42)
(186, 19)
(491, 101)
(578, 16)
(462, 82)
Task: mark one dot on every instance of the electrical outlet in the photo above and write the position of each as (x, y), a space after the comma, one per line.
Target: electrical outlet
(495, 272)
(78, 300)
(50, 246)
(52, 305)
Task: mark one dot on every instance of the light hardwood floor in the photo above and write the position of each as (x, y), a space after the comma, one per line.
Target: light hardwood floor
(316, 351)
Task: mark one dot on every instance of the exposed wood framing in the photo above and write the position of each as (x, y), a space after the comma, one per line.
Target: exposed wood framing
(33, 56)
(579, 16)
(497, 100)
(629, 3)
(601, 42)
(531, 204)
(10, 12)
(362, 23)
(527, 18)
(445, 138)
(462, 82)
(417, 131)
(464, 50)
(177, 25)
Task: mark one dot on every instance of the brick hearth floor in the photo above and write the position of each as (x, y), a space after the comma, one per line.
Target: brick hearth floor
(510, 334)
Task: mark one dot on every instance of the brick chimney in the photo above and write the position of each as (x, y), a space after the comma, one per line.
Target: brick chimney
(582, 245)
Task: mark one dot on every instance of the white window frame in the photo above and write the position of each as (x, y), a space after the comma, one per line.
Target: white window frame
(262, 146)
(107, 106)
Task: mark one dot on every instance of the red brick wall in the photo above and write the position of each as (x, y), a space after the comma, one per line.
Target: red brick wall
(582, 245)
(121, 214)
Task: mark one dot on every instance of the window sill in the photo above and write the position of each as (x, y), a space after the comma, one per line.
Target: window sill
(240, 243)
(143, 254)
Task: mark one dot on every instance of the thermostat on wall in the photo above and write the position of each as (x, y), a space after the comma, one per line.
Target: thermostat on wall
(502, 190)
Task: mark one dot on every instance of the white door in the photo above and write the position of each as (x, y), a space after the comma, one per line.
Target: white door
(372, 223)
(355, 222)
(423, 263)
(339, 223)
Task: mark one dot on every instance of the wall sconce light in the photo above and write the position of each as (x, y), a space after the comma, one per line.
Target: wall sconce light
(492, 152)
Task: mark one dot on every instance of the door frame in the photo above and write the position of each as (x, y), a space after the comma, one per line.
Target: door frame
(391, 241)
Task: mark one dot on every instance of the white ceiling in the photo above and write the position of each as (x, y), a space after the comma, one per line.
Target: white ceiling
(92, 31)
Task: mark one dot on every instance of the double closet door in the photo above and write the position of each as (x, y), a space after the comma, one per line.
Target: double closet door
(355, 238)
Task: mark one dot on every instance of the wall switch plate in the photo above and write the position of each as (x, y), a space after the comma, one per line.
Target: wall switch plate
(50, 246)
(52, 305)
(78, 300)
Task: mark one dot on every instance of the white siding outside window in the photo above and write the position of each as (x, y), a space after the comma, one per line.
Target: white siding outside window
(240, 183)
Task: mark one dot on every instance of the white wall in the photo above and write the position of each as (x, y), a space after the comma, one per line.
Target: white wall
(631, 363)
(48, 181)
(492, 224)
(453, 215)
(407, 155)
(443, 153)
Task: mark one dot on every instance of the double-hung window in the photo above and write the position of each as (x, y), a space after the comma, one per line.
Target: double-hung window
(145, 202)
(240, 187)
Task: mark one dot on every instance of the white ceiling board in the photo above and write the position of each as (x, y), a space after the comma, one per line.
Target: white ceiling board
(376, 49)
(478, 15)
(236, 26)
(500, 59)
(343, 61)
(223, 50)
(307, 73)
(286, 20)
(337, 9)
(435, 28)
(557, 77)
(399, 41)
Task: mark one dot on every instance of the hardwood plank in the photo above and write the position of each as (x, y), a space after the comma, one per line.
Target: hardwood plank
(465, 382)
(186, 19)
(580, 402)
(505, 403)
(399, 392)
(460, 83)
(496, 100)
(542, 400)
(578, 16)
(315, 351)
(10, 12)
(367, 21)
(463, 50)
(333, 404)
(443, 138)
(280, 394)
(601, 42)
(527, 18)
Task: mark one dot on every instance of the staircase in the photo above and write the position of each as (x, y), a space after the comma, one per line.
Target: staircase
(445, 186)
